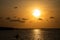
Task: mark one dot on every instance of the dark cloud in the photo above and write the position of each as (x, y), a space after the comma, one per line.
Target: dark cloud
(40, 19)
(14, 20)
(17, 20)
(52, 17)
(0, 17)
(24, 19)
(8, 18)
(15, 7)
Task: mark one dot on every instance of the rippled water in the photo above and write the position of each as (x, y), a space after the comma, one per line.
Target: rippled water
(30, 34)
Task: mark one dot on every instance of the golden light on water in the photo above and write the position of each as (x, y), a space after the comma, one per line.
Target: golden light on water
(37, 34)
(37, 31)
(36, 13)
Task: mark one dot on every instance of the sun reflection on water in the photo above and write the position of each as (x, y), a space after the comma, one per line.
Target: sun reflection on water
(37, 34)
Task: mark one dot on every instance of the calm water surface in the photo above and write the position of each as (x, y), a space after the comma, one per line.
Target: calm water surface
(30, 34)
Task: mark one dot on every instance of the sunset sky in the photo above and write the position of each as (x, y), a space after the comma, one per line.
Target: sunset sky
(19, 9)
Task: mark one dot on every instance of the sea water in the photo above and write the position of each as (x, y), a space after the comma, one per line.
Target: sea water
(30, 34)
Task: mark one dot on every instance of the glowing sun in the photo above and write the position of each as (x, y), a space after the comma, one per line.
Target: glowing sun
(36, 13)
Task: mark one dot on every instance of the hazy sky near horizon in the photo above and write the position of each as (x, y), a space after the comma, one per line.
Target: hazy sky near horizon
(23, 9)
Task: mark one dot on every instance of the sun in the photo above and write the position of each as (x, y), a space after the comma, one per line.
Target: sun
(36, 13)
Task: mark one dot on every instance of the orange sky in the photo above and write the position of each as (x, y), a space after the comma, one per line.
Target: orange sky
(23, 9)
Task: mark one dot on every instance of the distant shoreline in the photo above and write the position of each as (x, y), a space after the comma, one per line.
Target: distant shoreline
(9, 28)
